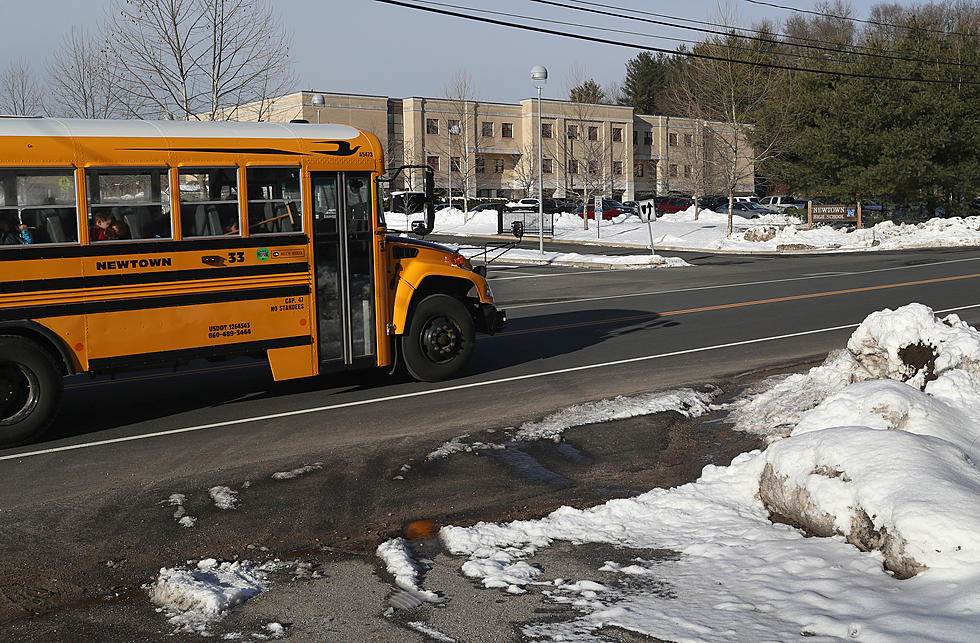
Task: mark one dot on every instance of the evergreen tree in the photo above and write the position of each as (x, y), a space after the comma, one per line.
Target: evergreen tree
(588, 92)
(646, 79)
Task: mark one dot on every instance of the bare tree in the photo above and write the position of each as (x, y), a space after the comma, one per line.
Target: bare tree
(725, 96)
(526, 169)
(587, 148)
(84, 79)
(200, 59)
(19, 92)
(462, 106)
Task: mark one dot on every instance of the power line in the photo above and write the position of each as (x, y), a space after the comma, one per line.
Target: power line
(724, 26)
(867, 22)
(836, 50)
(687, 54)
(606, 29)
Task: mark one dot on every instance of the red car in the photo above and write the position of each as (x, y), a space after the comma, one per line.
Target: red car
(669, 205)
(610, 209)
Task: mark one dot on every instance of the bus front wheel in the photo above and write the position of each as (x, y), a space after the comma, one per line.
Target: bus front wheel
(30, 389)
(439, 340)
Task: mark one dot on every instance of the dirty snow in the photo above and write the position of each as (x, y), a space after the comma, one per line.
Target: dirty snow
(687, 402)
(288, 475)
(180, 513)
(681, 231)
(401, 564)
(194, 598)
(223, 497)
(861, 431)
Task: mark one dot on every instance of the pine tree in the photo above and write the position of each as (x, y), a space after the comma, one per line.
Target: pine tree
(646, 79)
(588, 92)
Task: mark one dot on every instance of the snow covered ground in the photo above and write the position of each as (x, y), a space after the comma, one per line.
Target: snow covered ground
(680, 231)
(877, 447)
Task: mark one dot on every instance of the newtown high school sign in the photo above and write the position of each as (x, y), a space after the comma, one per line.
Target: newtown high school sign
(833, 213)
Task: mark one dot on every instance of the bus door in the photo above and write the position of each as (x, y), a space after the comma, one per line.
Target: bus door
(343, 238)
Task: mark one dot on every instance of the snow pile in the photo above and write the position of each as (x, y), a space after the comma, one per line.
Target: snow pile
(881, 455)
(909, 344)
(193, 599)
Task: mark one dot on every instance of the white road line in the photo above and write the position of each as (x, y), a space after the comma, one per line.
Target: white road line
(459, 387)
(510, 307)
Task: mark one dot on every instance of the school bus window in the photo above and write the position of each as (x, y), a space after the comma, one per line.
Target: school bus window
(128, 203)
(208, 202)
(37, 206)
(274, 200)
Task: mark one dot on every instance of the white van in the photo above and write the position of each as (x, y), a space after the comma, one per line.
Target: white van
(782, 202)
(747, 199)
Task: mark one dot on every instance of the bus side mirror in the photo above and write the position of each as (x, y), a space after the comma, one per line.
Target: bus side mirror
(517, 229)
(422, 228)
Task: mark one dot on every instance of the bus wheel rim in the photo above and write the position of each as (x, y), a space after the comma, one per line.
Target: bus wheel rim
(19, 392)
(441, 340)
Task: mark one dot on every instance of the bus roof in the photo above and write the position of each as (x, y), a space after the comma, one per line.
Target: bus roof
(74, 127)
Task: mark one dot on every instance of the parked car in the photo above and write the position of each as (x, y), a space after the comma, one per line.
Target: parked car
(745, 209)
(489, 206)
(781, 202)
(610, 209)
(628, 209)
(747, 199)
(673, 204)
(711, 202)
(635, 205)
(531, 205)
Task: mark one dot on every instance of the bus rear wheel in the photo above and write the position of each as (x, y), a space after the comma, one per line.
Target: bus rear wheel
(30, 389)
(440, 339)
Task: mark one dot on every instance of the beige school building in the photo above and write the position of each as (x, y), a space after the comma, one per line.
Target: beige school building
(490, 149)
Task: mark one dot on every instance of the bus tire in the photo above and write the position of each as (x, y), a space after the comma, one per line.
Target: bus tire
(30, 390)
(440, 339)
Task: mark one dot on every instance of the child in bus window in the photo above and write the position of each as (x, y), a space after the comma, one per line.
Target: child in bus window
(8, 237)
(108, 228)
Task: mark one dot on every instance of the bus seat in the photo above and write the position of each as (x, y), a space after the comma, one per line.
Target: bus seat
(214, 222)
(134, 219)
(200, 222)
(56, 232)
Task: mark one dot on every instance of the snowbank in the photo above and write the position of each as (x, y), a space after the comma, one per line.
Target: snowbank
(681, 231)
(881, 454)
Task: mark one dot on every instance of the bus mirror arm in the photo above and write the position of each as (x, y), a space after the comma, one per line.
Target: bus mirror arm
(420, 228)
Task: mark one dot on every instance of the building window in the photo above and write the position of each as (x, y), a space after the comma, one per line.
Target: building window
(481, 165)
(507, 130)
(617, 134)
(687, 171)
(648, 138)
(572, 166)
(618, 168)
(545, 130)
(498, 166)
(593, 167)
(454, 164)
(452, 124)
(673, 170)
(638, 169)
(433, 162)
(593, 133)
(672, 140)
(546, 166)
(688, 140)
(486, 129)
(432, 126)
(573, 132)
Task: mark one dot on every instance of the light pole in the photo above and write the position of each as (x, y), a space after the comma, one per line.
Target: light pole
(454, 129)
(539, 75)
(317, 101)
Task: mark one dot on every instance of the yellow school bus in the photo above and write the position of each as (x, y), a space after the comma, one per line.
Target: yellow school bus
(132, 244)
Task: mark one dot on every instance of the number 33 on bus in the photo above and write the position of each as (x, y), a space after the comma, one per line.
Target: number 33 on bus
(130, 244)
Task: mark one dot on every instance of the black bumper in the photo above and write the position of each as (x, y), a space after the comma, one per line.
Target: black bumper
(489, 320)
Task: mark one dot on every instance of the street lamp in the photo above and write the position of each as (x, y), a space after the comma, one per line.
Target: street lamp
(539, 75)
(453, 130)
(317, 101)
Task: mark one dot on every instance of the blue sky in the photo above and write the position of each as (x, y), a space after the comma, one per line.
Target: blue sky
(362, 46)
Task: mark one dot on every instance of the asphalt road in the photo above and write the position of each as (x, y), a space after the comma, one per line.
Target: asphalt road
(91, 492)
